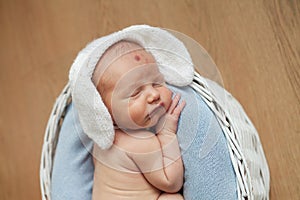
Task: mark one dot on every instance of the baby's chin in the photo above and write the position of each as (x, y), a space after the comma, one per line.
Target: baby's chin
(148, 124)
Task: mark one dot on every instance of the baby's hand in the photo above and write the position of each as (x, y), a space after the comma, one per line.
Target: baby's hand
(168, 123)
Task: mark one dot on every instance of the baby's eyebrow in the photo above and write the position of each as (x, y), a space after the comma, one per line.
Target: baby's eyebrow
(134, 86)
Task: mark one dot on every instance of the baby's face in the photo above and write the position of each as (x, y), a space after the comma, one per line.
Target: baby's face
(136, 95)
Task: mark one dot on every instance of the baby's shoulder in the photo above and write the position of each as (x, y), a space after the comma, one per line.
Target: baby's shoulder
(141, 141)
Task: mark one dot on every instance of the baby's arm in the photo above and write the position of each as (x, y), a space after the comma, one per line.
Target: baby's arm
(162, 165)
(171, 175)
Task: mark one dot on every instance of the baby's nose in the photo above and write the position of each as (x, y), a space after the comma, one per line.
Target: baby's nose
(153, 95)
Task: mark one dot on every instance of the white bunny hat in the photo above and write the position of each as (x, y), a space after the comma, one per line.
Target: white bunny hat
(172, 57)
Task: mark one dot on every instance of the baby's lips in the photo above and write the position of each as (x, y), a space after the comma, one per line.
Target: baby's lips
(156, 109)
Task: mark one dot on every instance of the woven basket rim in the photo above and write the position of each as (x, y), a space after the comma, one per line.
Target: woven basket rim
(239, 162)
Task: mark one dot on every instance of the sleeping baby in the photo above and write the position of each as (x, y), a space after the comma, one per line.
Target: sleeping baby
(144, 161)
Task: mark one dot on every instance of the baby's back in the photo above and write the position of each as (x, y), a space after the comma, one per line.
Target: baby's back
(117, 176)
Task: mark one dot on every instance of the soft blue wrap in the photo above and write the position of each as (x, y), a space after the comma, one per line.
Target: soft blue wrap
(208, 170)
(73, 170)
(209, 173)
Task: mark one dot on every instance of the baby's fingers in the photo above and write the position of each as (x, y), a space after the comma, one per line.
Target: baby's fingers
(169, 121)
(178, 109)
(175, 108)
(174, 103)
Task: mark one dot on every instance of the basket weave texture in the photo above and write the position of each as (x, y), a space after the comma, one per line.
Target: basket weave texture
(247, 156)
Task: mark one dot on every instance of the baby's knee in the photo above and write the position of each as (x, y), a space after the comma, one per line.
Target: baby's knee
(168, 196)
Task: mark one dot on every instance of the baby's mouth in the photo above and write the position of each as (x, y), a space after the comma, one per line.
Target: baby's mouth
(159, 109)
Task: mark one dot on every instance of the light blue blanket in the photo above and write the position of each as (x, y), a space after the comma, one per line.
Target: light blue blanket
(208, 170)
(73, 170)
(209, 173)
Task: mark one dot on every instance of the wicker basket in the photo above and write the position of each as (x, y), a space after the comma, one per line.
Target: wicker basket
(245, 149)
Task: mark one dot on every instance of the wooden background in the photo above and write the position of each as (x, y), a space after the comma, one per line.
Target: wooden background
(255, 44)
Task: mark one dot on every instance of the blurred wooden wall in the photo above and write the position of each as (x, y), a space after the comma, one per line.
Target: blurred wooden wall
(255, 44)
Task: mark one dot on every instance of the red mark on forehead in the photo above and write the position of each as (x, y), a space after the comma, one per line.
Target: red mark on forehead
(137, 57)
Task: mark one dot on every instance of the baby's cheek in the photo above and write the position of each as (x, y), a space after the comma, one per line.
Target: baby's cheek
(167, 95)
(136, 113)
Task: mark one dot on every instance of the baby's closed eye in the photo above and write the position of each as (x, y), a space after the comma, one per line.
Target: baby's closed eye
(135, 93)
(157, 84)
